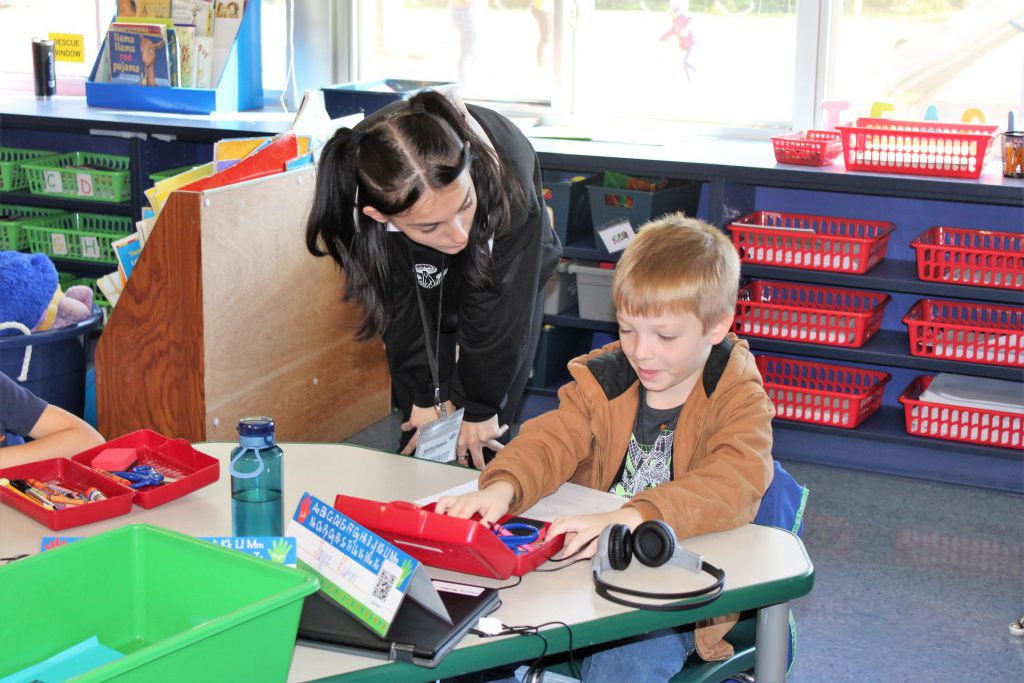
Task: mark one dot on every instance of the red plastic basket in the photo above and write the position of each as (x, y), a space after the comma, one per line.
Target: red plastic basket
(808, 313)
(173, 457)
(796, 240)
(976, 333)
(956, 423)
(821, 393)
(808, 147)
(966, 256)
(71, 475)
(954, 150)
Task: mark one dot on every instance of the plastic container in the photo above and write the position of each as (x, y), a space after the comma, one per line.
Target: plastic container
(965, 256)
(567, 200)
(257, 480)
(77, 236)
(594, 286)
(179, 608)
(967, 332)
(560, 291)
(174, 458)
(956, 423)
(808, 313)
(611, 205)
(808, 147)
(12, 171)
(82, 175)
(955, 150)
(56, 370)
(823, 243)
(821, 393)
(11, 217)
(74, 476)
(369, 96)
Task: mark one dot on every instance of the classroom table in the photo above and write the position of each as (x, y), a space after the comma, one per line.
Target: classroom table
(765, 568)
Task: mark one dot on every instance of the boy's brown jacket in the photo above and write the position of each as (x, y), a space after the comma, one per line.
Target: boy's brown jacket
(721, 458)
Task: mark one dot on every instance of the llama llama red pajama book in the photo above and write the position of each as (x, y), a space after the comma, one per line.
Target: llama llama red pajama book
(138, 56)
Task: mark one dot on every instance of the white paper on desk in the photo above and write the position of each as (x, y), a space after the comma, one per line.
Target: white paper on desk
(569, 499)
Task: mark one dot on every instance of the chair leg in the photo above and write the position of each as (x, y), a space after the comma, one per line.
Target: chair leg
(772, 641)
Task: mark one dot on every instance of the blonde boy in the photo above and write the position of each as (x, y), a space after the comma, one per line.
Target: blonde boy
(673, 417)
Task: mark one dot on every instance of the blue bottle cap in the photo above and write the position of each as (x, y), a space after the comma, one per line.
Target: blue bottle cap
(256, 431)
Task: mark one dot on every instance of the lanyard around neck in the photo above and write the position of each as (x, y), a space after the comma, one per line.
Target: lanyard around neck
(433, 351)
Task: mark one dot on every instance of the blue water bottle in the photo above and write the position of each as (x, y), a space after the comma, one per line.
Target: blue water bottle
(256, 480)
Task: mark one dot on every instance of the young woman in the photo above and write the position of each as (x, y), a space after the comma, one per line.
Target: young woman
(435, 215)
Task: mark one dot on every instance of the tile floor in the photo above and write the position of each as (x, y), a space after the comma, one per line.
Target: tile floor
(914, 581)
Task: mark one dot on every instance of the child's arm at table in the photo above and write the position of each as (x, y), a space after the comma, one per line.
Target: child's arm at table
(56, 434)
(582, 530)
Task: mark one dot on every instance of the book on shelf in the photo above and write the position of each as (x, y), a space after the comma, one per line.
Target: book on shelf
(227, 19)
(172, 56)
(137, 59)
(127, 250)
(202, 54)
(160, 9)
(186, 50)
(198, 13)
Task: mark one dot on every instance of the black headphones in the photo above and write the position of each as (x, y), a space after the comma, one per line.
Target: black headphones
(654, 544)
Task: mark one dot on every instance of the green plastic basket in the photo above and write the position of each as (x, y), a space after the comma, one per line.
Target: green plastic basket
(83, 175)
(180, 609)
(11, 218)
(12, 171)
(170, 173)
(77, 236)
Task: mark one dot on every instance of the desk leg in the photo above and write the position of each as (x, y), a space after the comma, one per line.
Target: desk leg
(772, 644)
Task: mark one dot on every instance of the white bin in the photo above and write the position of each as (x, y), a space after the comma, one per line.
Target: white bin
(594, 286)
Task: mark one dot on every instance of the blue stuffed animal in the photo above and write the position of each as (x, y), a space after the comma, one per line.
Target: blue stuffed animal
(31, 299)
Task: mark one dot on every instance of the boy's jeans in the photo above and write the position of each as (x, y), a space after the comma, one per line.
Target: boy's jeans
(649, 658)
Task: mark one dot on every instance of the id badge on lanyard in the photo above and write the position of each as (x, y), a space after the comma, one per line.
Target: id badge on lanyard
(439, 439)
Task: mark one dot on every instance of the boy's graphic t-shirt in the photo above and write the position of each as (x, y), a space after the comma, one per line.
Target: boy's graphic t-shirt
(648, 459)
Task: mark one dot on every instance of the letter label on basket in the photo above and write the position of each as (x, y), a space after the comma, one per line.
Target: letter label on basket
(52, 182)
(85, 188)
(90, 246)
(59, 243)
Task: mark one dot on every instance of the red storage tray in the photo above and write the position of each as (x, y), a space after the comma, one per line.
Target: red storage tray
(174, 457)
(821, 393)
(956, 423)
(461, 545)
(808, 313)
(969, 332)
(824, 243)
(965, 256)
(955, 150)
(74, 476)
(808, 147)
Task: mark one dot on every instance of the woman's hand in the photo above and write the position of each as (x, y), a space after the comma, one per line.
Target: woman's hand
(579, 531)
(475, 436)
(419, 417)
(491, 503)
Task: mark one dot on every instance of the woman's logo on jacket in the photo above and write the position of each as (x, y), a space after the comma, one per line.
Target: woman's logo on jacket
(428, 276)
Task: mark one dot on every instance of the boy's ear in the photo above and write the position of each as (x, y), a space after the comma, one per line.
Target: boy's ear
(721, 328)
(375, 214)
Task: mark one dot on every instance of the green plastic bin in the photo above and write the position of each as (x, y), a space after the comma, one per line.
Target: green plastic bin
(11, 218)
(12, 172)
(77, 236)
(180, 609)
(82, 175)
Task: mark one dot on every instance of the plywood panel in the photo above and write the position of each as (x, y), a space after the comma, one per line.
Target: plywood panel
(149, 369)
(278, 340)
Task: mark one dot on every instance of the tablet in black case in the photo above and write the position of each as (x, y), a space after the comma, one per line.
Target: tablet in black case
(416, 634)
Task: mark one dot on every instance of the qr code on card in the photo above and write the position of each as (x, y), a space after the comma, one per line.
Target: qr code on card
(385, 582)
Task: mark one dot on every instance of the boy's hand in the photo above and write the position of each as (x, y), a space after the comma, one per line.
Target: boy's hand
(579, 531)
(491, 503)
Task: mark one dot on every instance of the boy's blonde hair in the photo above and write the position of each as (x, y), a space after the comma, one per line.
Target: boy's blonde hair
(678, 264)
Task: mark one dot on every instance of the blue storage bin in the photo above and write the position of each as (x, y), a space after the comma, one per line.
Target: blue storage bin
(565, 194)
(369, 96)
(557, 346)
(240, 86)
(609, 205)
(56, 371)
